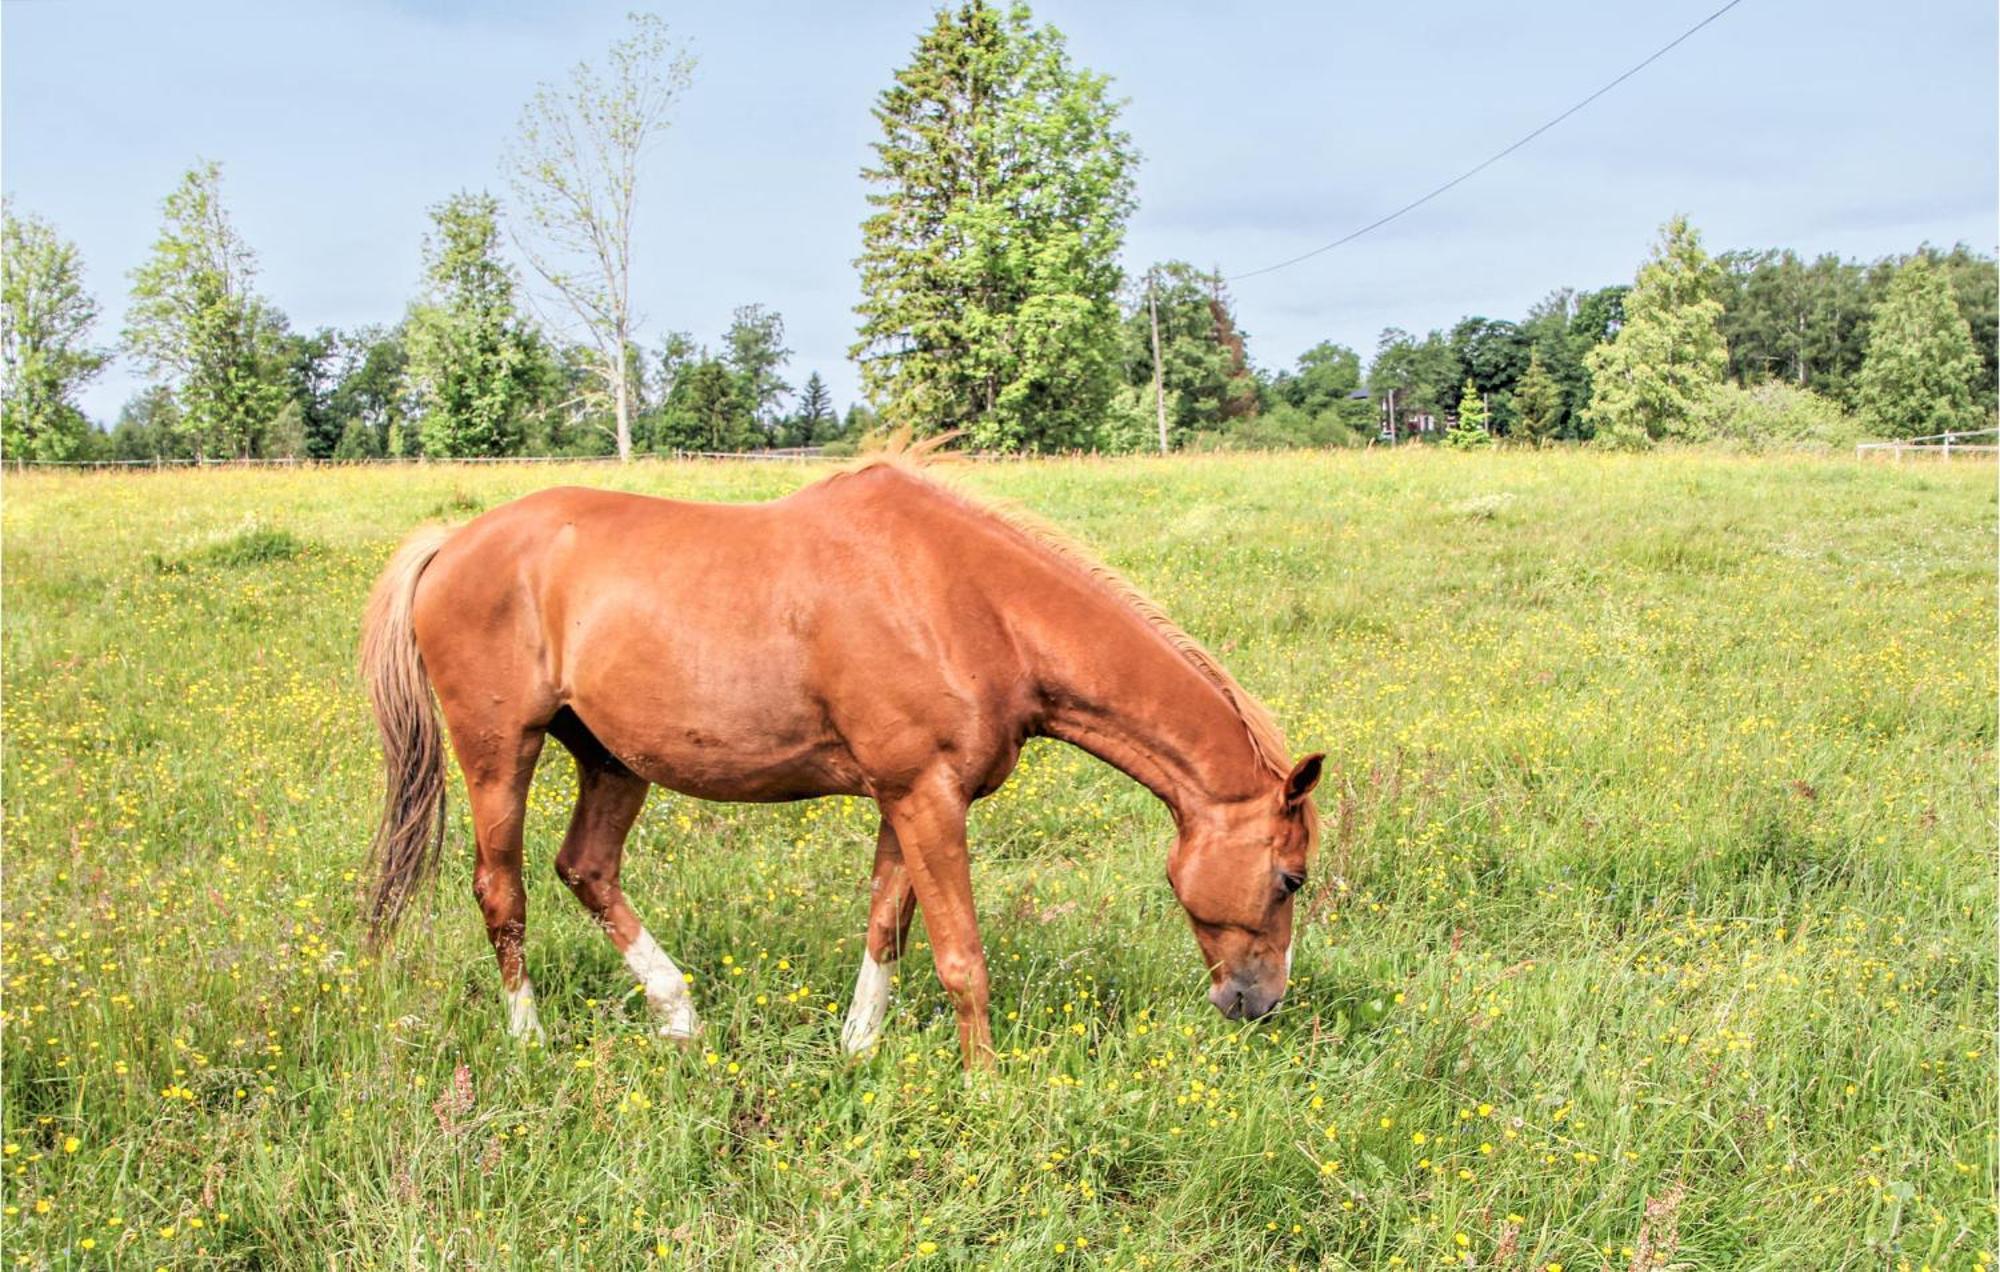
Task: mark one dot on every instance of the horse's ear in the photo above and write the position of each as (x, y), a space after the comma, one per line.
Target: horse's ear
(1304, 776)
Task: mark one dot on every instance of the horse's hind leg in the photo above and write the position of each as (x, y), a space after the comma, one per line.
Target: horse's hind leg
(497, 777)
(608, 800)
(892, 903)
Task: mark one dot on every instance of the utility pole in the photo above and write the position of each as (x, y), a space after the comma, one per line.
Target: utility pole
(1159, 395)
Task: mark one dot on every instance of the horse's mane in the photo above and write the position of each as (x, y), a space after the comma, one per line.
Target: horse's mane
(1267, 740)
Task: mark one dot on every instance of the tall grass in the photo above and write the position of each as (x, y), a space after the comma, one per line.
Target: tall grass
(1654, 922)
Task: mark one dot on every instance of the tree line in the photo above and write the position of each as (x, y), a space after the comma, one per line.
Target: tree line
(994, 301)
(466, 372)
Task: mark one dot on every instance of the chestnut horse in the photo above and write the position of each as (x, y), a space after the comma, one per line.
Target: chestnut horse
(873, 634)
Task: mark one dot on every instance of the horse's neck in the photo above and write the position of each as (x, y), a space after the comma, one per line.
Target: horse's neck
(1118, 689)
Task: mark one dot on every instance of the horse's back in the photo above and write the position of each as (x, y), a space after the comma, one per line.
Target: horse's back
(733, 651)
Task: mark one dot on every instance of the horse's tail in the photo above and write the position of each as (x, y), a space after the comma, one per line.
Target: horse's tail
(404, 856)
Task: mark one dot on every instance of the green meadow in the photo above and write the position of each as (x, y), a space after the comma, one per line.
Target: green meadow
(1653, 924)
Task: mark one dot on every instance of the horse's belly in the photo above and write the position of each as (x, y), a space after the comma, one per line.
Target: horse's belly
(722, 751)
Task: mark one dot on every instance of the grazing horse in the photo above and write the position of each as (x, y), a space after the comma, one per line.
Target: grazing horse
(874, 634)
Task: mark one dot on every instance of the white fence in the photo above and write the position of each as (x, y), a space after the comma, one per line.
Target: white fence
(1936, 446)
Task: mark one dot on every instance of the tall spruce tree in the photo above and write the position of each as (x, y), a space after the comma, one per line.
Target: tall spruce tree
(814, 421)
(1658, 379)
(1538, 404)
(989, 268)
(1921, 365)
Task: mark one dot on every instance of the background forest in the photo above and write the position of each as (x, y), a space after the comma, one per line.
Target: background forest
(995, 298)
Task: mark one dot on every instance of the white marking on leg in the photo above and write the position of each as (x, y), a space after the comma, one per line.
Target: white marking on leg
(871, 1003)
(666, 989)
(522, 1021)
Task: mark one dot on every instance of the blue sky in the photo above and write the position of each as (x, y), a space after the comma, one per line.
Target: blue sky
(1860, 129)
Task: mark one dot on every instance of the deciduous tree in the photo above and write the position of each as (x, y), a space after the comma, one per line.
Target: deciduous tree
(311, 367)
(475, 365)
(708, 409)
(1204, 357)
(754, 348)
(371, 400)
(1424, 374)
(46, 354)
(149, 428)
(575, 168)
(197, 325)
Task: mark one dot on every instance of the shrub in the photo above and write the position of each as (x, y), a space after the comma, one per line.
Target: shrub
(1776, 415)
(1283, 427)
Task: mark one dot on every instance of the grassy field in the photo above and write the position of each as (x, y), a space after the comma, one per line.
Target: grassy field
(1654, 923)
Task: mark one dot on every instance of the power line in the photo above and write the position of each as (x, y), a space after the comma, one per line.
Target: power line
(1469, 173)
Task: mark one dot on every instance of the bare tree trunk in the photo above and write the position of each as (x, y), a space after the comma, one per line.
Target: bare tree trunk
(1159, 394)
(621, 402)
(623, 407)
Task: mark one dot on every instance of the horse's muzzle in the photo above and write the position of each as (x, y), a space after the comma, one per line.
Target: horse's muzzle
(1238, 1000)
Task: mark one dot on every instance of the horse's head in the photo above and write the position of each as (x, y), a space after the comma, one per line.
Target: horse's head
(1235, 872)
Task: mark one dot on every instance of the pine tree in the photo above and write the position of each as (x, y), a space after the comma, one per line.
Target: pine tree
(1917, 378)
(1538, 402)
(1468, 431)
(989, 268)
(1658, 379)
(814, 422)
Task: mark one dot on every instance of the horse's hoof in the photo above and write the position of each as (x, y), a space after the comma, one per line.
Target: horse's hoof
(680, 1031)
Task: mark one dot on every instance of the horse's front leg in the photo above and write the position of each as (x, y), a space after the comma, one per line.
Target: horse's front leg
(929, 825)
(892, 903)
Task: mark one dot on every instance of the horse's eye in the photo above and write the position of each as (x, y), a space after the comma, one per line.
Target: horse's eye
(1288, 883)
